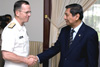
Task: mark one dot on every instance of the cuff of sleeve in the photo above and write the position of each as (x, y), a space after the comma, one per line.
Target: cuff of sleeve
(38, 59)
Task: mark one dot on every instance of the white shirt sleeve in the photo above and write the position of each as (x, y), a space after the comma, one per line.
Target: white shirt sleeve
(8, 40)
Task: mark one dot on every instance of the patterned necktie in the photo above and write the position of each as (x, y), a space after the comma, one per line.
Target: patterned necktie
(71, 37)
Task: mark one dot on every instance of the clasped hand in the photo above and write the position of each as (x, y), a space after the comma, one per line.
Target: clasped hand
(31, 60)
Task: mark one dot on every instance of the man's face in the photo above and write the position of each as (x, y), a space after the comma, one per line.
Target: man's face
(70, 20)
(24, 13)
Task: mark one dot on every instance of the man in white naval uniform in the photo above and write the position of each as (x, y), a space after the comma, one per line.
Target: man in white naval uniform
(15, 41)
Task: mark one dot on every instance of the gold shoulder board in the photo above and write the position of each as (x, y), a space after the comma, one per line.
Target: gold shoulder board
(11, 25)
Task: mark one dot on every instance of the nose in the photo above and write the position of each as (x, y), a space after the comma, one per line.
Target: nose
(29, 14)
(64, 16)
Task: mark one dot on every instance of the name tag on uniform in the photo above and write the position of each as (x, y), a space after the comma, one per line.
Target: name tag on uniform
(20, 37)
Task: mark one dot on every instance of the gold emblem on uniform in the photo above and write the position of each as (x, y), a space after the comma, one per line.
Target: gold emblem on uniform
(79, 35)
(11, 25)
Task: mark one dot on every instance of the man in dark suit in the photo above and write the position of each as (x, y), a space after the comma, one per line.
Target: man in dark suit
(83, 50)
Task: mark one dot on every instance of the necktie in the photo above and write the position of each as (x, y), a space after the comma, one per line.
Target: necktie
(71, 37)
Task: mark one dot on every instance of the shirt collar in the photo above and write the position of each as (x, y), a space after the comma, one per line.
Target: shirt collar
(78, 27)
(18, 25)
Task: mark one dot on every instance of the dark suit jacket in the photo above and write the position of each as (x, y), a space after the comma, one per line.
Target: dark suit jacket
(82, 53)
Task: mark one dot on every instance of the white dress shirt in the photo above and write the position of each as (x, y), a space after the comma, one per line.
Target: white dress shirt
(76, 29)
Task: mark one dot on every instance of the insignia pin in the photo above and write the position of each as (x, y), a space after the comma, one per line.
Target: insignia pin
(20, 37)
(79, 35)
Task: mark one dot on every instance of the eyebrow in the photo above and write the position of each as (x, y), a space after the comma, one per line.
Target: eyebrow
(66, 13)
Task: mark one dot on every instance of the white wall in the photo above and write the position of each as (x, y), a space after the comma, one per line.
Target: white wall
(35, 24)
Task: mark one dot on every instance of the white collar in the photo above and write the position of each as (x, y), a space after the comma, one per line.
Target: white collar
(18, 25)
(78, 27)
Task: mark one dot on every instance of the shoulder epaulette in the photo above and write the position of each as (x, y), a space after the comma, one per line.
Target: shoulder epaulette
(11, 25)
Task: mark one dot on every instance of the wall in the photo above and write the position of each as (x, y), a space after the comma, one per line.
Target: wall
(35, 24)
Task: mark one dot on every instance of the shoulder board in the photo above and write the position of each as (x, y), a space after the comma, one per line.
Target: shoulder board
(11, 25)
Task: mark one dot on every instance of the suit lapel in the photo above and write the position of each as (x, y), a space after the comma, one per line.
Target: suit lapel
(67, 35)
(78, 37)
(66, 39)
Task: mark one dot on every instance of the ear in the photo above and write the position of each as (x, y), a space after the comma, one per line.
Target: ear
(17, 13)
(77, 16)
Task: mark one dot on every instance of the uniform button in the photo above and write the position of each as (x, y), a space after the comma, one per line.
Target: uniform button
(65, 58)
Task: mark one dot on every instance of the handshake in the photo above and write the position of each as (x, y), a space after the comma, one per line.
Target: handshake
(31, 60)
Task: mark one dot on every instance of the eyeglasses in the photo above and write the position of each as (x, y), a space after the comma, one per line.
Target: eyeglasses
(28, 12)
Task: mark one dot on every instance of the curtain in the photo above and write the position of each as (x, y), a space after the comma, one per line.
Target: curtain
(57, 21)
(36, 47)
